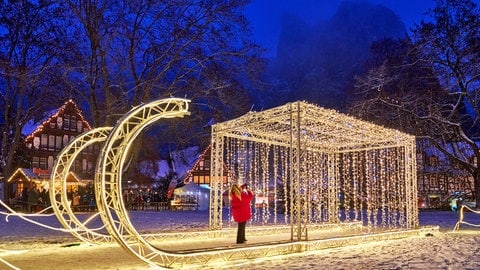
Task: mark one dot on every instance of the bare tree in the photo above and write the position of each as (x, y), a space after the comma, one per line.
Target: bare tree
(431, 86)
(28, 85)
(124, 53)
(136, 51)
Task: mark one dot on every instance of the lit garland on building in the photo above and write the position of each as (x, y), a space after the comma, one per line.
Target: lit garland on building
(57, 117)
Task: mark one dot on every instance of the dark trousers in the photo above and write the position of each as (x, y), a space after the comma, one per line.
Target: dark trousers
(241, 232)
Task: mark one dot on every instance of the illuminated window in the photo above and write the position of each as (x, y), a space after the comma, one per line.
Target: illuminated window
(20, 187)
(201, 179)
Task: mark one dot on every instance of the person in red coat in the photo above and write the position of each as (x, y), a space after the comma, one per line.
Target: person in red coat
(240, 198)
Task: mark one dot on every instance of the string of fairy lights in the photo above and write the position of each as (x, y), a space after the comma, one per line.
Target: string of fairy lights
(367, 178)
(461, 217)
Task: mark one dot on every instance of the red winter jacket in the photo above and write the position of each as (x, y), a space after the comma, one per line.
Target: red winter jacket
(241, 208)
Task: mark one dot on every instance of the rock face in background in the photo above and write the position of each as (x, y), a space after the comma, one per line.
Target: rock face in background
(318, 63)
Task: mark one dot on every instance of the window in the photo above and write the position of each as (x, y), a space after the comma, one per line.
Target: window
(84, 165)
(51, 142)
(35, 162)
(50, 163)
(20, 187)
(58, 142)
(73, 122)
(79, 126)
(201, 179)
(207, 165)
(89, 149)
(66, 122)
(44, 142)
(90, 167)
(43, 163)
(77, 167)
(36, 142)
(65, 140)
(59, 122)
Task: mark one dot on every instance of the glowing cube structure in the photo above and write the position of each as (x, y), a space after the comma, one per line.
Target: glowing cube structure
(318, 164)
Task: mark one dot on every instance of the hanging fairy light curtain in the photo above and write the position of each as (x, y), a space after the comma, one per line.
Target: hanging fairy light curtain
(310, 165)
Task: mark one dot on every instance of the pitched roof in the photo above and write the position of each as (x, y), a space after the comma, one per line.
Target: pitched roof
(23, 174)
(196, 165)
(70, 104)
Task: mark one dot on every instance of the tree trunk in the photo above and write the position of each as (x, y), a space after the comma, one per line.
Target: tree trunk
(476, 184)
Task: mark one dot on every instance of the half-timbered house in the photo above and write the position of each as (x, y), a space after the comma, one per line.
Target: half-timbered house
(43, 146)
(439, 179)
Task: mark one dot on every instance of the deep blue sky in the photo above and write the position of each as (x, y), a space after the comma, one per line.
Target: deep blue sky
(265, 14)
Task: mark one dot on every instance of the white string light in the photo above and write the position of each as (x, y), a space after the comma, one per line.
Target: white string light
(27, 217)
(461, 217)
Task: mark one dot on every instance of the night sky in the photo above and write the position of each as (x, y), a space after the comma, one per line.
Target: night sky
(265, 14)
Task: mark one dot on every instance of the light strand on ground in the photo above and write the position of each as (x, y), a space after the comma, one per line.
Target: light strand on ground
(9, 264)
(25, 216)
(461, 216)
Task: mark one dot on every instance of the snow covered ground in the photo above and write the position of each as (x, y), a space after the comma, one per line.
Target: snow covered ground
(28, 246)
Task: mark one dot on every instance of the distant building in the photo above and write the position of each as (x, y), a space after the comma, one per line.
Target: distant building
(438, 179)
(191, 197)
(200, 171)
(45, 143)
(197, 179)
